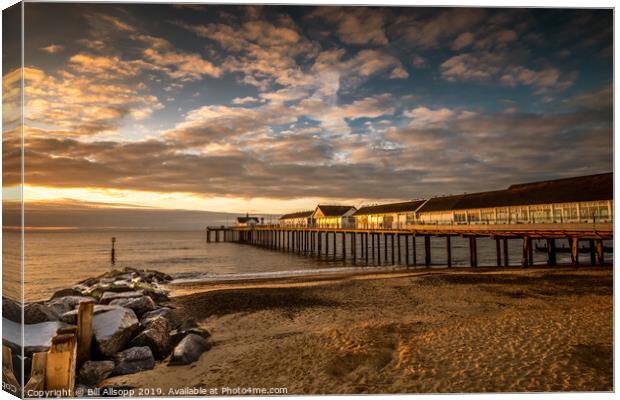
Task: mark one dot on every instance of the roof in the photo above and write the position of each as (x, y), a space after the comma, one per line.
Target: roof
(301, 214)
(568, 190)
(404, 206)
(243, 220)
(334, 211)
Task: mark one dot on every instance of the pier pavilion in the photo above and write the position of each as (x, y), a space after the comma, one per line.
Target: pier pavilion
(328, 216)
(387, 216)
(299, 219)
(585, 199)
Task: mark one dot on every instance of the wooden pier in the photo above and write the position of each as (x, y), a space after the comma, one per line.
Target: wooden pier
(398, 246)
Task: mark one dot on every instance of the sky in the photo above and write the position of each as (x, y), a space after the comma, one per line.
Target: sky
(273, 109)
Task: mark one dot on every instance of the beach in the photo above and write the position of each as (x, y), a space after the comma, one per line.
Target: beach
(423, 331)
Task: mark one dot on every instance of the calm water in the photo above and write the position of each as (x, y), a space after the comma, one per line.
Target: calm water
(58, 259)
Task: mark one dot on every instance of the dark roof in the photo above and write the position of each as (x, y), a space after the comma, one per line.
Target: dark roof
(243, 220)
(390, 208)
(334, 211)
(568, 190)
(301, 214)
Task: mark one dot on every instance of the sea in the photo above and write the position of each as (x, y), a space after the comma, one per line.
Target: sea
(59, 259)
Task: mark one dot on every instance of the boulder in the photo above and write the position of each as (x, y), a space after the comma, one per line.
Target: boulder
(65, 304)
(71, 316)
(113, 329)
(139, 305)
(177, 335)
(93, 372)
(11, 310)
(171, 316)
(37, 337)
(159, 295)
(66, 292)
(156, 337)
(132, 360)
(107, 297)
(189, 350)
(35, 313)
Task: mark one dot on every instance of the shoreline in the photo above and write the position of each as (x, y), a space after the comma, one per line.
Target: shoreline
(189, 287)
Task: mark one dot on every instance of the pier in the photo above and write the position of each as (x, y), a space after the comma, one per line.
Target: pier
(398, 246)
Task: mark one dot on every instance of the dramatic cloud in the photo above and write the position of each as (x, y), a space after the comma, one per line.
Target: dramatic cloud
(290, 103)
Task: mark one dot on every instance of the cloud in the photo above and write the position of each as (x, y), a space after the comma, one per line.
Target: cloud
(244, 100)
(180, 65)
(424, 117)
(355, 25)
(431, 31)
(463, 40)
(499, 67)
(82, 105)
(52, 48)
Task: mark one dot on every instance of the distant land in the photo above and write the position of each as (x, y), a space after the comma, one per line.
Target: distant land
(71, 214)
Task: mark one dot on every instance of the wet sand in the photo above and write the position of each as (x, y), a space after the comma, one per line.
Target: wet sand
(510, 330)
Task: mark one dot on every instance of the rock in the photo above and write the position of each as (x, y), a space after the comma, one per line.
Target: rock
(139, 305)
(156, 337)
(37, 337)
(71, 316)
(113, 329)
(177, 335)
(35, 313)
(11, 310)
(132, 360)
(189, 350)
(156, 294)
(171, 316)
(65, 304)
(65, 293)
(107, 297)
(93, 372)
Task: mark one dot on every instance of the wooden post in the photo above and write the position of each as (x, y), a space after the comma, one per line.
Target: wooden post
(60, 364)
(473, 252)
(378, 249)
(600, 252)
(208, 236)
(399, 245)
(392, 241)
(366, 247)
(427, 250)
(530, 253)
(498, 250)
(37, 373)
(574, 251)
(9, 382)
(334, 242)
(372, 246)
(527, 243)
(85, 331)
(113, 253)
(406, 249)
(449, 251)
(551, 256)
(353, 247)
(506, 260)
(385, 248)
(326, 244)
(344, 247)
(592, 252)
(415, 251)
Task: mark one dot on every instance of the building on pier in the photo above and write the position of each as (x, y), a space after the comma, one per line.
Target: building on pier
(298, 219)
(247, 221)
(387, 216)
(329, 216)
(585, 199)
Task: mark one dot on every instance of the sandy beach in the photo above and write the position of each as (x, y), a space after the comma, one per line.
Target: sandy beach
(425, 331)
